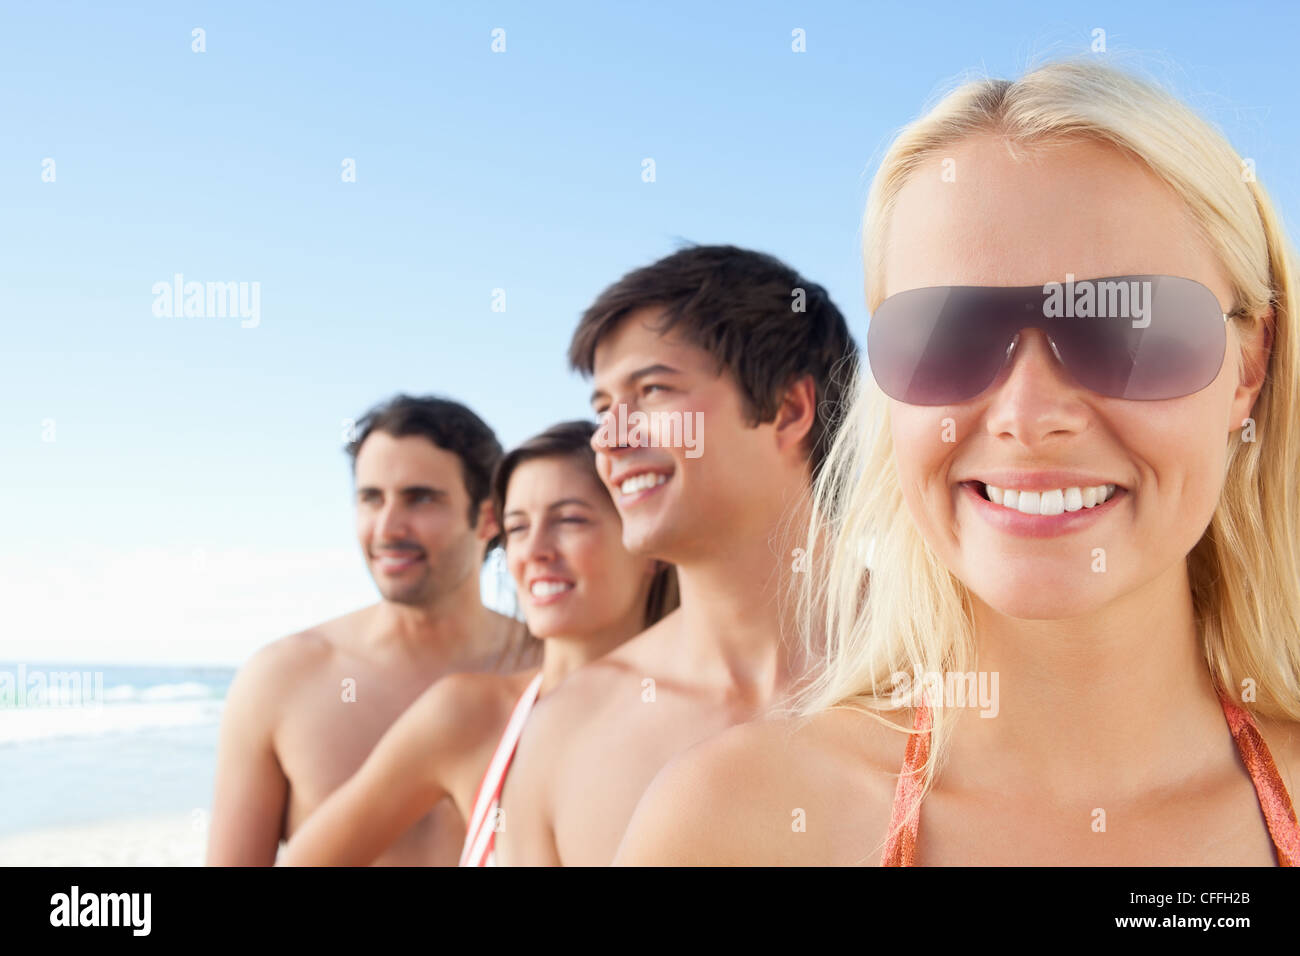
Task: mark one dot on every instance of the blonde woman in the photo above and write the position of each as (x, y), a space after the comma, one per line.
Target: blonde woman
(1081, 512)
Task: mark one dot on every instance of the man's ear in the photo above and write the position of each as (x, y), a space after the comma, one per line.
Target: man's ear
(797, 413)
(488, 527)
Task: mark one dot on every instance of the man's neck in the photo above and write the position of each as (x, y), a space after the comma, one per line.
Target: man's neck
(738, 604)
(454, 627)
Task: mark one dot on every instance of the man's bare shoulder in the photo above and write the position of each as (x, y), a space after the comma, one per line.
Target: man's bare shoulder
(290, 662)
(290, 654)
(646, 650)
(797, 757)
(615, 677)
(588, 696)
(340, 634)
(778, 791)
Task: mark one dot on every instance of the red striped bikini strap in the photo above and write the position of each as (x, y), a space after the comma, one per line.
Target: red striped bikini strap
(479, 832)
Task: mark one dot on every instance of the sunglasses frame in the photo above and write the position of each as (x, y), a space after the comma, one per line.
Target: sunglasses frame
(1015, 338)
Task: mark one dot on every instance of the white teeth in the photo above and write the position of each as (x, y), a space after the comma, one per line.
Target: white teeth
(641, 482)
(1049, 503)
(548, 588)
(1052, 503)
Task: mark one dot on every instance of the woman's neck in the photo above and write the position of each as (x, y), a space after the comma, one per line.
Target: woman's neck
(1120, 699)
(563, 654)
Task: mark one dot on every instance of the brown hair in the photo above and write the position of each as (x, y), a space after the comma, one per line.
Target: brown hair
(573, 440)
(449, 425)
(754, 314)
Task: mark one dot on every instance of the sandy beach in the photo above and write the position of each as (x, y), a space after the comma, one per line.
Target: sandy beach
(173, 840)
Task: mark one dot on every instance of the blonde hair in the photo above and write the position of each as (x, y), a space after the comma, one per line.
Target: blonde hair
(908, 614)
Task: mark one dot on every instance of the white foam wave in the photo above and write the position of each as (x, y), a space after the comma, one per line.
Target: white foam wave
(27, 724)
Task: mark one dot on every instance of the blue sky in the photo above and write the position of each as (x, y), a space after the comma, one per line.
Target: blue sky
(194, 502)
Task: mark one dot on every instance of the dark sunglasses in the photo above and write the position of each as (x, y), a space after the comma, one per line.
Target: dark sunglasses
(1143, 337)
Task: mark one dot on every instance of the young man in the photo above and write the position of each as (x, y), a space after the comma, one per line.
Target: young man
(305, 711)
(740, 345)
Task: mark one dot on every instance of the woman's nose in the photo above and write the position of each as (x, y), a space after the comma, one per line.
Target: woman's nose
(1034, 395)
(540, 547)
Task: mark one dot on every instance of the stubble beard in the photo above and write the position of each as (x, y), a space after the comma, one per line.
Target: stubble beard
(443, 573)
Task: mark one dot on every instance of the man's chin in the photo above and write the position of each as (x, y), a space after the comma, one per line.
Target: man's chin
(405, 600)
(405, 594)
(648, 539)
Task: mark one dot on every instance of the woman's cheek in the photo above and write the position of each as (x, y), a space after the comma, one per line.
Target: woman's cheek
(1199, 467)
(1181, 446)
(581, 555)
(514, 567)
(924, 442)
(918, 440)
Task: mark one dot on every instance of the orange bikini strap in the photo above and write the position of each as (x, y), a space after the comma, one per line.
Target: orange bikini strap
(1274, 799)
(900, 847)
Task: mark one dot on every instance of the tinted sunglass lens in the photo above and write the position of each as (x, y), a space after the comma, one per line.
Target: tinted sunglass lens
(935, 346)
(1169, 342)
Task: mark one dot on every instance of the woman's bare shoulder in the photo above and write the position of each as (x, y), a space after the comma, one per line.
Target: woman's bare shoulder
(453, 728)
(458, 716)
(777, 791)
(464, 700)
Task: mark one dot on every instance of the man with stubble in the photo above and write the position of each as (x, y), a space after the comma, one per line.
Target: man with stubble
(304, 712)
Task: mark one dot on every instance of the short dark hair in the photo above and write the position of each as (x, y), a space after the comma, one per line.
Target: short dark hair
(741, 307)
(449, 425)
(573, 440)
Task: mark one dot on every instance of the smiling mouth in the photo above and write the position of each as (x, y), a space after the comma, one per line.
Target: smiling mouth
(397, 562)
(637, 484)
(548, 589)
(1047, 502)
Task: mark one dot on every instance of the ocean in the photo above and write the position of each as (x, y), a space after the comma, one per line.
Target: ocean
(88, 743)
